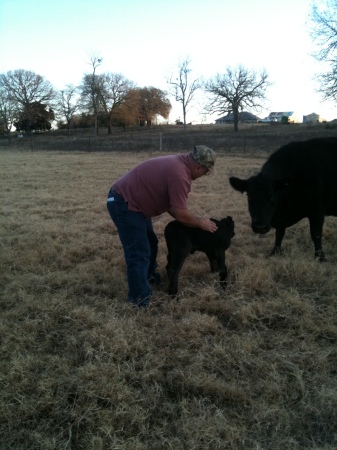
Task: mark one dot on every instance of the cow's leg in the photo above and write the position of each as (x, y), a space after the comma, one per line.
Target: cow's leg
(279, 235)
(220, 259)
(176, 263)
(316, 230)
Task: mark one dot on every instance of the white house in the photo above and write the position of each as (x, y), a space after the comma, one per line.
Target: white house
(292, 117)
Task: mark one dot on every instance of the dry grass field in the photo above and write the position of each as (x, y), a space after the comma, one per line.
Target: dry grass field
(252, 368)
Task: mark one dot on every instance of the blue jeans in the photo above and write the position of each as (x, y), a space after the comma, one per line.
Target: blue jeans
(140, 245)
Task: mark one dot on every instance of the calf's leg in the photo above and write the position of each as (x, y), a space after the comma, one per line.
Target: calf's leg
(212, 260)
(176, 261)
(220, 258)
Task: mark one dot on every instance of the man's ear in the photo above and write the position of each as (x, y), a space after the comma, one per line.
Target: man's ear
(238, 184)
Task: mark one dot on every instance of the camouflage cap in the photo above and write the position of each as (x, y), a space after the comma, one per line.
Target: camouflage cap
(204, 156)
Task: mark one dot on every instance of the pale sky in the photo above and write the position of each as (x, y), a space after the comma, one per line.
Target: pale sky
(144, 40)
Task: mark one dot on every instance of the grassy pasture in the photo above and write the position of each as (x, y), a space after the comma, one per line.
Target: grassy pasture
(252, 368)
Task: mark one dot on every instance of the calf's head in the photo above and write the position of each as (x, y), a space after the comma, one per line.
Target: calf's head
(262, 194)
(229, 224)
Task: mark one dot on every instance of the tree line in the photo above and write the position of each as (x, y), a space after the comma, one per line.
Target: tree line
(29, 102)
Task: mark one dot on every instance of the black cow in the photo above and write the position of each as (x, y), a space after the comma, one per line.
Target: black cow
(182, 240)
(299, 180)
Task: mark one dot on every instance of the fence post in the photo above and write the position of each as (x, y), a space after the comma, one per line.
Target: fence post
(160, 142)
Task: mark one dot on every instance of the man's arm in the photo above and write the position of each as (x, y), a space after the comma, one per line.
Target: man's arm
(187, 218)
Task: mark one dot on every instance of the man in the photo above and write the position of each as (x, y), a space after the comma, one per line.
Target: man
(153, 187)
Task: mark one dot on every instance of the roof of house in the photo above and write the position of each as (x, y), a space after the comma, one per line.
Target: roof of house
(244, 115)
(281, 114)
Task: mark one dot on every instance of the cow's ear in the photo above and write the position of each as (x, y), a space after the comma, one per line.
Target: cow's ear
(238, 184)
(283, 183)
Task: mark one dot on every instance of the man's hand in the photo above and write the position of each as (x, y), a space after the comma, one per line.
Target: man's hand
(187, 218)
(208, 225)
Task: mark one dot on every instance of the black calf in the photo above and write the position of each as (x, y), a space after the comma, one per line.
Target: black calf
(182, 240)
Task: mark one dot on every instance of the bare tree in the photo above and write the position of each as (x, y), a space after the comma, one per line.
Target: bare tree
(67, 104)
(114, 91)
(24, 89)
(8, 112)
(90, 90)
(324, 34)
(183, 87)
(235, 90)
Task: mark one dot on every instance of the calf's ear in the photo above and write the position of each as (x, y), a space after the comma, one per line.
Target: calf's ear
(238, 184)
(283, 183)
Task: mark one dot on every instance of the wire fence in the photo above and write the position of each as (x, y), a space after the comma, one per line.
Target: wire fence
(249, 140)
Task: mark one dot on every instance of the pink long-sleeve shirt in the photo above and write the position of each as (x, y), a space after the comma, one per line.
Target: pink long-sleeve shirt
(156, 185)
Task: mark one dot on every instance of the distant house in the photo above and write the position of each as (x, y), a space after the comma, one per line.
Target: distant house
(221, 120)
(292, 118)
(244, 117)
(313, 118)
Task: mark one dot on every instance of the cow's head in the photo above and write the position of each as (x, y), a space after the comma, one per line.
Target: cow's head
(262, 196)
